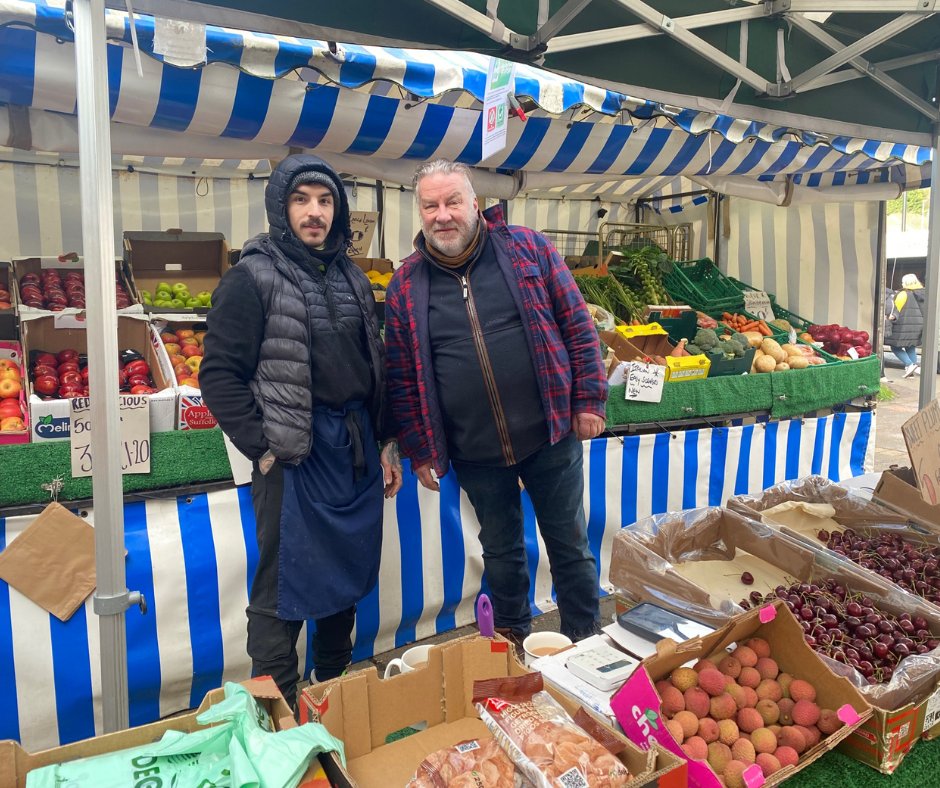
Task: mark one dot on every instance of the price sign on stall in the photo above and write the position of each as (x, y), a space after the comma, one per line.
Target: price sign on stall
(757, 302)
(644, 382)
(134, 430)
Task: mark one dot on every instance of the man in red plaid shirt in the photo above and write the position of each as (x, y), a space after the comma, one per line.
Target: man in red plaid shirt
(494, 370)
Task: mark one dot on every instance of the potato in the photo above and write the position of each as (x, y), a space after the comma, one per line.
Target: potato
(765, 364)
(754, 338)
(782, 367)
(798, 362)
(773, 349)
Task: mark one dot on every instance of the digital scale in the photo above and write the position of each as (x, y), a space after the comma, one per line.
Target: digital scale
(602, 666)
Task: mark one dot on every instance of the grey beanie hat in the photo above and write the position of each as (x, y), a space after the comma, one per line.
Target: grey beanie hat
(314, 176)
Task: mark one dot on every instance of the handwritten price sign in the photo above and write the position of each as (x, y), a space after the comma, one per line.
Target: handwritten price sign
(135, 435)
(757, 303)
(645, 382)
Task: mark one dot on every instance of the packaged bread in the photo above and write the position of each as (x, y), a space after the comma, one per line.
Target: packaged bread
(473, 763)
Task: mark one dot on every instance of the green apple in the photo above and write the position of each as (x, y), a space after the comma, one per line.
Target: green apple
(146, 295)
(178, 303)
(166, 295)
(204, 297)
(162, 302)
(148, 301)
(180, 287)
(165, 286)
(193, 302)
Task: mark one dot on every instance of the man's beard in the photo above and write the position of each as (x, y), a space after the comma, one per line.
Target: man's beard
(453, 246)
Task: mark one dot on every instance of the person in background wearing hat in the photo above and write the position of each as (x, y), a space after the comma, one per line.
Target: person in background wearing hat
(905, 327)
(294, 372)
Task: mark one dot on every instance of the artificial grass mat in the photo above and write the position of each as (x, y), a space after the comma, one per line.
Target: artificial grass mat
(176, 459)
(919, 769)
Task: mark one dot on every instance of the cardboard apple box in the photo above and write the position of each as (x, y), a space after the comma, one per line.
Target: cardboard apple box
(13, 351)
(638, 705)
(50, 418)
(8, 316)
(16, 763)
(362, 710)
(192, 412)
(34, 265)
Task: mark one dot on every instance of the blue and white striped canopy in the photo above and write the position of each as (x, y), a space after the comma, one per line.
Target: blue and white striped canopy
(394, 104)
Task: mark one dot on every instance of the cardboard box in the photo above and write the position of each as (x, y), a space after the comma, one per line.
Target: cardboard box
(362, 224)
(379, 265)
(921, 434)
(8, 327)
(35, 265)
(638, 705)
(13, 351)
(198, 260)
(897, 490)
(362, 710)
(640, 346)
(16, 763)
(191, 412)
(50, 418)
(644, 563)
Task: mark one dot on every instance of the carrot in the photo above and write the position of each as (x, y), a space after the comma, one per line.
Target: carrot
(752, 326)
(764, 329)
(725, 316)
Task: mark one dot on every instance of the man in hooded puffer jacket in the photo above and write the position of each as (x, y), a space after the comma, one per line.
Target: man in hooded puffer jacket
(294, 372)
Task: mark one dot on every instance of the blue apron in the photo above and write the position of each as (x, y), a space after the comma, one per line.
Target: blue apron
(331, 518)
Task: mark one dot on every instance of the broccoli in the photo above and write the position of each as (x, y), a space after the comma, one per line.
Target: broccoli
(693, 350)
(733, 346)
(742, 340)
(706, 338)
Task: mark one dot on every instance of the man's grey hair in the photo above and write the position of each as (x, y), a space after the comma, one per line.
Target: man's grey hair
(442, 167)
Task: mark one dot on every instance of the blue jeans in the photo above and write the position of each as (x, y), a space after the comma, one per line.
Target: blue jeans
(554, 479)
(906, 355)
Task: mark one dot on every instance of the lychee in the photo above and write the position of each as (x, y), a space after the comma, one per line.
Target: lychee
(661, 686)
(717, 657)
(775, 729)
(708, 730)
(767, 668)
(697, 701)
(673, 701)
(759, 646)
(749, 677)
(763, 740)
(743, 750)
(750, 697)
(722, 707)
(768, 688)
(811, 734)
(696, 748)
(712, 682)
(792, 737)
(802, 690)
(734, 774)
(768, 763)
(749, 720)
(675, 730)
(730, 666)
(785, 705)
(728, 732)
(784, 680)
(737, 692)
(805, 712)
(768, 711)
(683, 678)
(689, 723)
(702, 664)
(745, 655)
(719, 755)
(787, 756)
(828, 722)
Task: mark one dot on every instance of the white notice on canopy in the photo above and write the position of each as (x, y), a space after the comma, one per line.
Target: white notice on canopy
(645, 382)
(181, 43)
(135, 435)
(757, 302)
(499, 81)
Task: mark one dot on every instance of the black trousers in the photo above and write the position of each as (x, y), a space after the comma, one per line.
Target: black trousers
(272, 642)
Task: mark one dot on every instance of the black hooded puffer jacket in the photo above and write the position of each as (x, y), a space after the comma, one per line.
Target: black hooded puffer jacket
(256, 376)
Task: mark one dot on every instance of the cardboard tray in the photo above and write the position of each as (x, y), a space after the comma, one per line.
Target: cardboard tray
(34, 265)
(638, 701)
(197, 259)
(897, 489)
(191, 412)
(16, 763)
(8, 325)
(50, 418)
(14, 351)
(362, 710)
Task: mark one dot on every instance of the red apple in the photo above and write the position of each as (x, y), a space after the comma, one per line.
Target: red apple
(172, 348)
(12, 424)
(137, 367)
(10, 388)
(68, 366)
(192, 350)
(9, 373)
(47, 385)
(168, 337)
(141, 389)
(66, 355)
(10, 407)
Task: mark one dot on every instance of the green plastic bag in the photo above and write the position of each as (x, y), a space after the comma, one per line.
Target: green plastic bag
(241, 752)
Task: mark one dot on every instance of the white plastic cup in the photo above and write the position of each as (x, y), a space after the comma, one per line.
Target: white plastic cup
(413, 659)
(541, 644)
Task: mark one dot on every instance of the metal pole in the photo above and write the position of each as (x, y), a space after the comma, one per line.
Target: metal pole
(94, 146)
(881, 268)
(928, 356)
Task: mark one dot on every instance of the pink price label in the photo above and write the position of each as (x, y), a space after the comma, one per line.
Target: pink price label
(848, 715)
(767, 613)
(753, 776)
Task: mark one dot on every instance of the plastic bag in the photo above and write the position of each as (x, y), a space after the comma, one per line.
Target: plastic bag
(542, 740)
(467, 764)
(240, 752)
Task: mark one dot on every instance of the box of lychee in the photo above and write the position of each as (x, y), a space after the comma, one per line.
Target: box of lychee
(710, 563)
(57, 284)
(14, 412)
(55, 349)
(747, 706)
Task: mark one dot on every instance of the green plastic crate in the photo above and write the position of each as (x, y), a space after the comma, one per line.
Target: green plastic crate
(703, 285)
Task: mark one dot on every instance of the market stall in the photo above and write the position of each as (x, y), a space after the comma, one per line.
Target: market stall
(626, 477)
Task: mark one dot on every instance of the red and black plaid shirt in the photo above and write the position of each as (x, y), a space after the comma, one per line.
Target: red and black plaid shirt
(566, 352)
